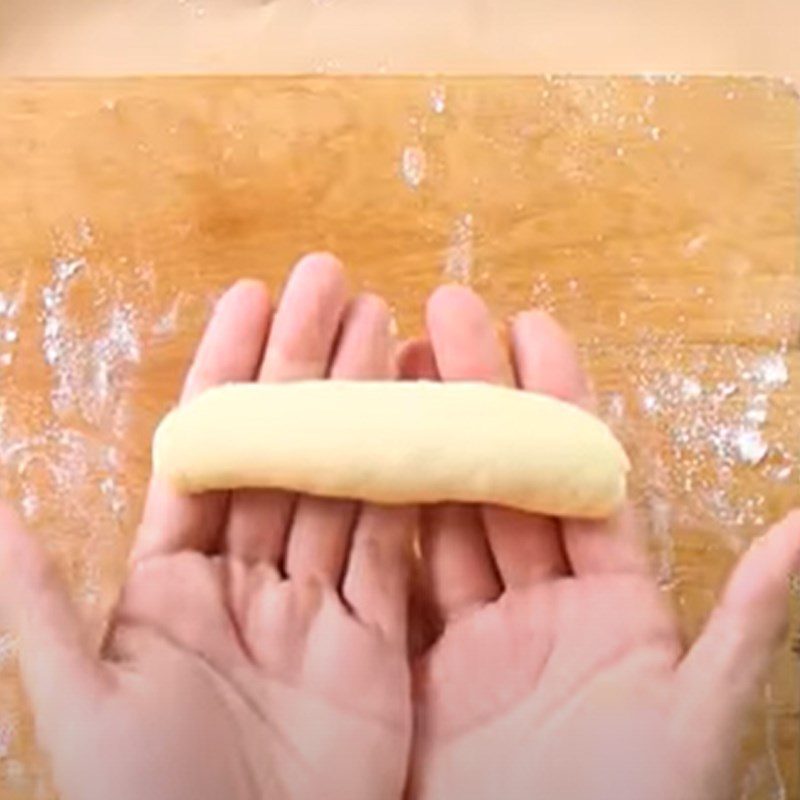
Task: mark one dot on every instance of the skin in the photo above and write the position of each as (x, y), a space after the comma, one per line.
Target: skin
(557, 668)
(259, 646)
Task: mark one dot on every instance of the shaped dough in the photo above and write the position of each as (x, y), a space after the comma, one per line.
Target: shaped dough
(396, 442)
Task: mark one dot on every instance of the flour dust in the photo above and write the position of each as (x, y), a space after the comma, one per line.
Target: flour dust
(84, 332)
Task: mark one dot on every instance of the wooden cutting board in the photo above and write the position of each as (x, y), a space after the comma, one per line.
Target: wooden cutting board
(657, 219)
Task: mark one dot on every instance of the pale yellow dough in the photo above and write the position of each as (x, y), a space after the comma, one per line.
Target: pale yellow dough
(396, 442)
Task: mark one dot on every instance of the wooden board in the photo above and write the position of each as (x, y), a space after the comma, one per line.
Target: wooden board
(658, 219)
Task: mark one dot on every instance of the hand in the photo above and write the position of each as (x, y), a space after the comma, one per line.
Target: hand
(559, 670)
(258, 649)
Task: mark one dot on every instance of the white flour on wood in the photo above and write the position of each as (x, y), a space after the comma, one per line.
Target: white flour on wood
(706, 426)
(459, 255)
(63, 455)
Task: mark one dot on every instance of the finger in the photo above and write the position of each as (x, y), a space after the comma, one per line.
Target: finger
(415, 361)
(301, 344)
(451, 576)
(376, 582)
(57, 662)
(463, 338)
(454, 542)
(230, 350)
(452, 573)
(744, 631)
(609, 546)
(320, 533)
(366, 347)
(302, 339)
(527, 547)
(545, 358)
(606, 547)
(456, 559)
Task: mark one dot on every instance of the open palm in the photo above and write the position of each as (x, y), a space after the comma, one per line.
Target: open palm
(258, 649)
(558, 670)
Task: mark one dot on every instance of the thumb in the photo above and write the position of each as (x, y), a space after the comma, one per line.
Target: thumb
(56, 661)
(724, 670)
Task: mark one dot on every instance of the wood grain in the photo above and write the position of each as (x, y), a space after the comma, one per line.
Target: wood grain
(657, 219)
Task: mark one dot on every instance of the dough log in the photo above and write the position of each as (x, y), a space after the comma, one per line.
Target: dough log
(396, 442)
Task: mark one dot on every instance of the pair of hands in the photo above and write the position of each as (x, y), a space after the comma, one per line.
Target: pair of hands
(260, 646)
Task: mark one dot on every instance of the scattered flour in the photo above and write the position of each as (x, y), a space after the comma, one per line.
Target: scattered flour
(10, 306)
(7, 733)
(63, 457)
(750, 446)
(413, 165)
(695, 245)
(705, 432)
(438, 99)
(89, 368)
(8, 648)
(769, 372)
(460, 252)
(167, 324)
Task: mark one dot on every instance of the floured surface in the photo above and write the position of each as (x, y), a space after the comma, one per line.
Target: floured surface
(657, 219)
